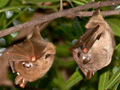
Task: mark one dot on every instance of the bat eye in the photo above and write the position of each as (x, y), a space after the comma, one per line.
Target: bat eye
(47, 55)
(78, 54)
(27, 64)
(98, 37)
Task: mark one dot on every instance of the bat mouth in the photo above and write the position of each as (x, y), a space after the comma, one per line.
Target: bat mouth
(19, 80)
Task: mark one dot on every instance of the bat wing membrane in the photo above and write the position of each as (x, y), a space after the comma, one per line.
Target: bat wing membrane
(86, 40)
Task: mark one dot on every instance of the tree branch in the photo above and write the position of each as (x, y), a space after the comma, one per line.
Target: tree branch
(55, 15)
(104, 13)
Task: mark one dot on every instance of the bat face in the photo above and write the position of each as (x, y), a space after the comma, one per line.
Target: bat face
(31, 59)
(94, 49)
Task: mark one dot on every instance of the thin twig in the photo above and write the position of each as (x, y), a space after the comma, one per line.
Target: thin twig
(61, 5)
(104, 13)
(57, 15)
(22, 35)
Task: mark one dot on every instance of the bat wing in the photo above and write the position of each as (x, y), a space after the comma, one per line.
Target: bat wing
(39, 48)
(29, 50)
(22, 52)
(86, 40)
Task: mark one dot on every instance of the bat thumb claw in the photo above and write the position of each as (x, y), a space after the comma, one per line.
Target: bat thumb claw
(22, 85)
(33, 58)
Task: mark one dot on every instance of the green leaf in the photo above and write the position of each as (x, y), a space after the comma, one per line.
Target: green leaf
(37, 1)
(65, 64)
(8, 23)
(3, 3)
(15, 3)
(75, 78)
(77, 27)
(116, 85)
(115, 25)
(11, 8)
(9, 39)
(65, 28)
(115, 78)
(57, 81)
(117, 52)
(117, 47)
(103, 80)
(2, 20)
(54, 7)
(62, 48)
(80, 2)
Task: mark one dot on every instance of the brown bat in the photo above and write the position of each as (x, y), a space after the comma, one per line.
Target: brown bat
(32, 58)
(94, 49)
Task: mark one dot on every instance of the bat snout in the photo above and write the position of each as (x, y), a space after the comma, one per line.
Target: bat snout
(19, 80)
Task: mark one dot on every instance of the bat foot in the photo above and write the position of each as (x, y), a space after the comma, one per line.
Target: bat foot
(90, 74)
(22, 85)
(19, 80)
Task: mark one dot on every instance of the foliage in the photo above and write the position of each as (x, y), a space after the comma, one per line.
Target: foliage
(64, 73)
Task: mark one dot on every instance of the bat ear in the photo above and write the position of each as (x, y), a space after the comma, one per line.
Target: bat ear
(51, 48)
(97, 15)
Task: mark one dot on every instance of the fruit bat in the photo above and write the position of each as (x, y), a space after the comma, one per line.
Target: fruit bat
(94, 49)
(32, 58)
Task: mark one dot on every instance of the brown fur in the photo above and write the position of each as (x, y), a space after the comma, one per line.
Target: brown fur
(100, 53)
(33, 48)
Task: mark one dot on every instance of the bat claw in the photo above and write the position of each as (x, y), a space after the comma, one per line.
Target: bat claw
(33, 58)
(19, 80)
(85, 50)
(90, 74)
(22, 85)
(8, 53)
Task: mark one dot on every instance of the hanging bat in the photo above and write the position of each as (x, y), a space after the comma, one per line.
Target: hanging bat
(32, 58)
(94, 49)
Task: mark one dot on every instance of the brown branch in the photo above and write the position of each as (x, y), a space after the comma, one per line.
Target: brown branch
(61, 5)
(22, 35)
(57, 15)
(104, 13)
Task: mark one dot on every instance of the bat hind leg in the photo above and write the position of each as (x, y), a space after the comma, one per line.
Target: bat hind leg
(87, 73)
(90, 74)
